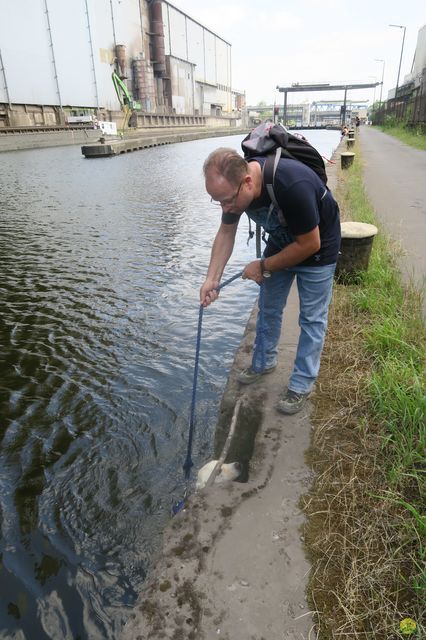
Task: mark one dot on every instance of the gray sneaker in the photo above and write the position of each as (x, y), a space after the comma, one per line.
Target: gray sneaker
(291, 402)
(247, 376)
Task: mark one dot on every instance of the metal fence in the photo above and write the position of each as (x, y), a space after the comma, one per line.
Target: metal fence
(410, 111)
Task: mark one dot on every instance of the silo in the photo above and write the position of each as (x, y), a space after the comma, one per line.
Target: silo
(120, 54)
(144, 84)
(158, 46)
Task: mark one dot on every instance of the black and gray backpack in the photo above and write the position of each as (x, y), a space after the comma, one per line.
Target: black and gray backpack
(275, 142)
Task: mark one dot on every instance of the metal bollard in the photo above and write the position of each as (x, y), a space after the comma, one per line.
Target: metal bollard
(346, 159)
(355, 250)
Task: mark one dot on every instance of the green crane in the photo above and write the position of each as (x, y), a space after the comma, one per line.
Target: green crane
(126, 101)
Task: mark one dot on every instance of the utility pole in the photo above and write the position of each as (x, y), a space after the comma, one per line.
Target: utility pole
(399, 26)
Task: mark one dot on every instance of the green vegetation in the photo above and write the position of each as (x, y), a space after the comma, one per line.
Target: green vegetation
(413, 136)
(366, 530)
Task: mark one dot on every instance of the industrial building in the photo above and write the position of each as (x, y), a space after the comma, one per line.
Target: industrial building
(415, 81)
(406, 102)
(57, 63)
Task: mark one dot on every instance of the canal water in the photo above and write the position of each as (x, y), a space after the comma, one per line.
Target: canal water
(100, 266)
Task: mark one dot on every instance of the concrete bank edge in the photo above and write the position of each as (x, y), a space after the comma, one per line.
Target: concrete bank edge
(34, 140)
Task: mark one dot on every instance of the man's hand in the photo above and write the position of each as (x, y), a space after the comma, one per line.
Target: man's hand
(208, 293)
(253, 271)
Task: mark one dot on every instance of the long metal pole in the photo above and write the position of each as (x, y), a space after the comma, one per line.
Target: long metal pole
(55, 70)
(400, 61)
(92, 56)
(113, 25)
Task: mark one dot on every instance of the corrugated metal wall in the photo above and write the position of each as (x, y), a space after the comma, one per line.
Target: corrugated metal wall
(61, 54)
(182, 86)
(186, 39)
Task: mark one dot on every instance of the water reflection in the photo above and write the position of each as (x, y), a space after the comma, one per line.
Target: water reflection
(101, 262)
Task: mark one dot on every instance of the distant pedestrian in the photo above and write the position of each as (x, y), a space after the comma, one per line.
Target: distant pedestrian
(357, 122)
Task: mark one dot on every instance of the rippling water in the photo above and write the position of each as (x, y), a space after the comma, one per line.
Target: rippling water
(101, 262)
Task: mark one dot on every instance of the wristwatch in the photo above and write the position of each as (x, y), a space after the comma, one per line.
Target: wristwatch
(265, 274)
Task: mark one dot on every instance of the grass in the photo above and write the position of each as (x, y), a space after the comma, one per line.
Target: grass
(413, 137)
(366, 527)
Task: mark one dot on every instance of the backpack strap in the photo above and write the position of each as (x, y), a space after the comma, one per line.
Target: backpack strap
(268, 176)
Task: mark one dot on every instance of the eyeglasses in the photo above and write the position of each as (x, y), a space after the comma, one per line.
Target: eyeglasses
(228, 202)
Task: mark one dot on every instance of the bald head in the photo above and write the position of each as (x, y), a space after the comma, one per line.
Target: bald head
(226, 163)
(231, 181)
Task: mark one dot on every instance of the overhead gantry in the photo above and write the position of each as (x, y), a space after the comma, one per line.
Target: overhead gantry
(324, 86)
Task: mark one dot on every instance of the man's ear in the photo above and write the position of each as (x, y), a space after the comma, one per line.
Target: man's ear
(248, 180)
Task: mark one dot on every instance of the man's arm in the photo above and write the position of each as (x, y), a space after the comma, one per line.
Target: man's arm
(222, 248)
(303, 247)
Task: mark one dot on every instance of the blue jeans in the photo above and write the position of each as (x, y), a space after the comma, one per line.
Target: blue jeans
(315, 285)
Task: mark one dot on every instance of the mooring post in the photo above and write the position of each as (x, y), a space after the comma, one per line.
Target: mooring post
(346, 159)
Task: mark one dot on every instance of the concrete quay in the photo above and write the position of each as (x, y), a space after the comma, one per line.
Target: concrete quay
(33, 139)
(107, 147)
(114, 145)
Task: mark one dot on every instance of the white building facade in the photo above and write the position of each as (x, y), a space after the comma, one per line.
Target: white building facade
(56, 59)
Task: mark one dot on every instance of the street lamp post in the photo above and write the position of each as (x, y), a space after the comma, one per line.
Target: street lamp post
(383, 75)
(399, 26)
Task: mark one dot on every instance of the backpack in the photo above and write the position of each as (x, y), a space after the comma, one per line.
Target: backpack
(268, 138)
(275, 142)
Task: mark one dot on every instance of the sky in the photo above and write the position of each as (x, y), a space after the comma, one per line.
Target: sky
(310, 41)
